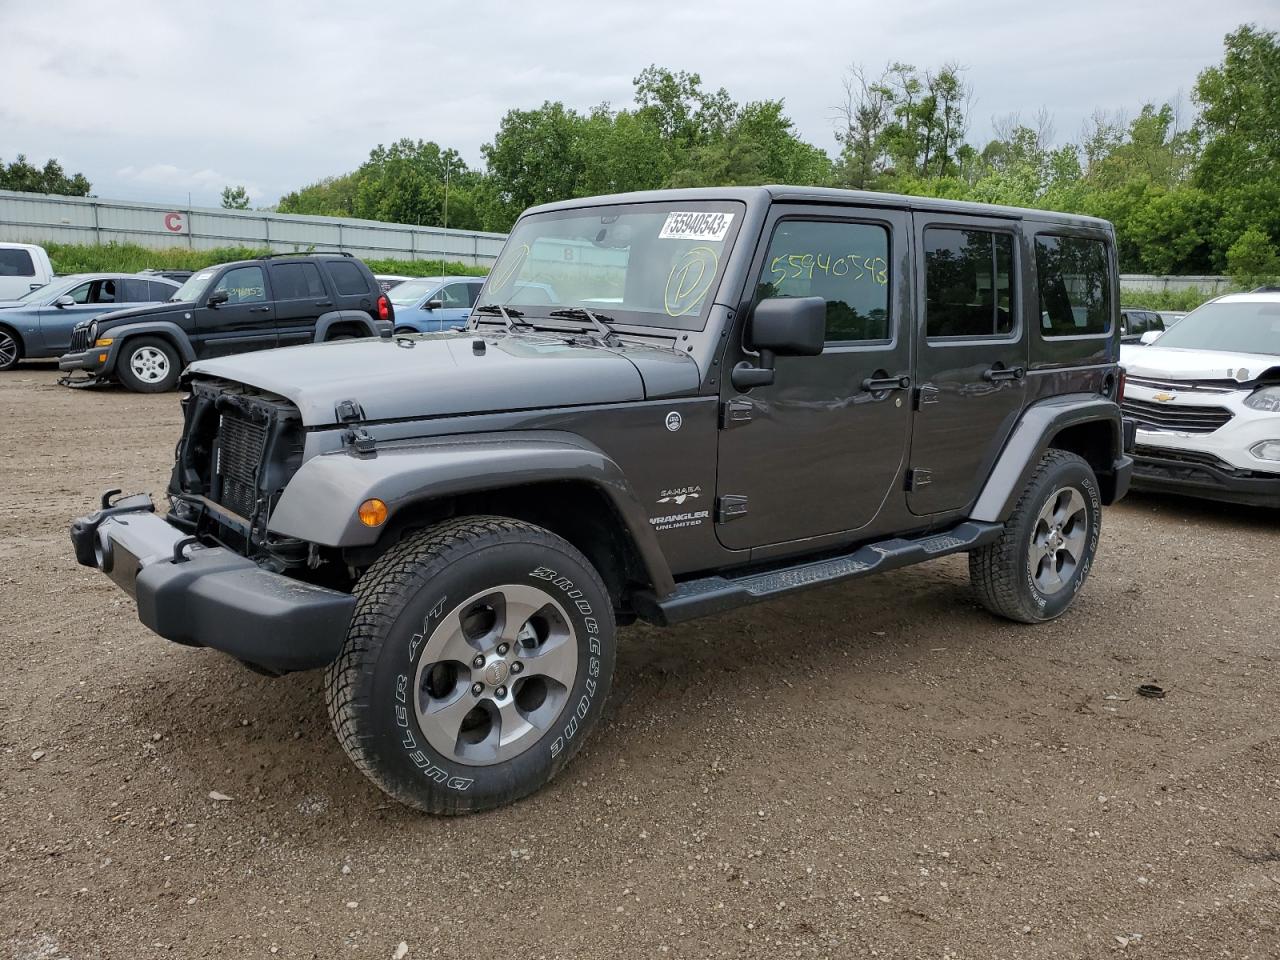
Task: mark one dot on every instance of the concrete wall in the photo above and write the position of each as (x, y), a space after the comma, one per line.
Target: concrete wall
(1151, 283)
(43, 218)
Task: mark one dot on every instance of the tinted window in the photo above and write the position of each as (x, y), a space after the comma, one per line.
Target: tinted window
(847, 264)
(296, 281)
(969, 288)
(16, 263)
(243, 285)
(134, 291)
(457, 295)
(1075, 286)
(161, 291)
(348, 278)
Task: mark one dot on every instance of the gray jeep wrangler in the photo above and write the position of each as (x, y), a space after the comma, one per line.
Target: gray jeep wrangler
(740, 393)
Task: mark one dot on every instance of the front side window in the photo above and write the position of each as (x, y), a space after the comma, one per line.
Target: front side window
(847, 264)
(1074, 278)
(79, 294)
(457, 296)
(243, 285)
(16, 263)
(969, 287)
(650, 264)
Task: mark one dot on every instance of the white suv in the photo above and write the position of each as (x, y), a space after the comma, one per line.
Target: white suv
(1206, 400)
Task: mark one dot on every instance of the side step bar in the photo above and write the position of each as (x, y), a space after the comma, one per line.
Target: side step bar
(698, 598)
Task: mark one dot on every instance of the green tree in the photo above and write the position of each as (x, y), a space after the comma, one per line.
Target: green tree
(235, 198)
(1238, 111)
(51, 178)
(1253, 259)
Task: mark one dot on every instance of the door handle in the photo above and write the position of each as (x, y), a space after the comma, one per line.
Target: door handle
(259, 309)
(1004, 373)
(880, 384)
(325, 303)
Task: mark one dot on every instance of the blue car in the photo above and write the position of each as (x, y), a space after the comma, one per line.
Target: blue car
(40, 323)
(432, 304)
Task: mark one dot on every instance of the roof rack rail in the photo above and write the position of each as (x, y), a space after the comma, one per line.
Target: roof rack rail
(309, 253)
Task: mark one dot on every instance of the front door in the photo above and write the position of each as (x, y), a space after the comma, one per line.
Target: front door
(243, 323)
(971, 361)
(821, 450)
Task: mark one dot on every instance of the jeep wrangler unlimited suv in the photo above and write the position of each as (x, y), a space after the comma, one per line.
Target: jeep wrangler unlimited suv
(740, 393)
(275, 300)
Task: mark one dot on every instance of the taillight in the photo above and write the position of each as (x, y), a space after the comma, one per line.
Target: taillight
(384, 308)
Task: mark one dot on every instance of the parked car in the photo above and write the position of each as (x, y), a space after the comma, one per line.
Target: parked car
(40, 324)
(277, 300)
(181, 276)
(1135, 323)
(1206, 401)
(454, 525)
(389, 280)
(1170, 317)
(23, 267)
(432, 304)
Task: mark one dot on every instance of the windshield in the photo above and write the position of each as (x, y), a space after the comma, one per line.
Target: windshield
(650, 264)
(190, 291)
(1235, 326)
(411, 291)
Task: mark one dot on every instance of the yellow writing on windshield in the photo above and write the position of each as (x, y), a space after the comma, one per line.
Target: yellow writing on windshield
(796, 266)
(509, 271)
(689, 281)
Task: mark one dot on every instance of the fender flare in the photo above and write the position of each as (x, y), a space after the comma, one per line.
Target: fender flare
(164, 328)
(320, 501)
(327, 320)
(1029, 440)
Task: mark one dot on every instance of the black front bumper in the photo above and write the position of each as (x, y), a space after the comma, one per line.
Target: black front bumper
(209, 596)
(1170, 471)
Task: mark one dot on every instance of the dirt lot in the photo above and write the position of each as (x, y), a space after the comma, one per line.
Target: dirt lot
(872, 770)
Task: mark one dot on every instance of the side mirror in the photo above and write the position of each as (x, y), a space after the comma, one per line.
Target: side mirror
(781, 327)
(433, 305)
(217, 298)
(66, 300)
(1151, 336)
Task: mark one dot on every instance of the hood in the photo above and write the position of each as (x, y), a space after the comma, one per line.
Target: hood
(135, 313)
(445, 374)
(1178, 363)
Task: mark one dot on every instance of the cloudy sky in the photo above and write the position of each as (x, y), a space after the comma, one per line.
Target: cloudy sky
(154, 100)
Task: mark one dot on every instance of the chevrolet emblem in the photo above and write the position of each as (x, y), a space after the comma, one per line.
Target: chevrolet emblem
(1163, 397)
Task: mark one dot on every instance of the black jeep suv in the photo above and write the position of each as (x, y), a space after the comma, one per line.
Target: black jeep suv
(276, 300)
(737, 394)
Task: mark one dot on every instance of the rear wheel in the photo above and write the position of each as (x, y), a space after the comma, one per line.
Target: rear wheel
(10, 349)
(478, 660)
(1042, 559)
(148, 365)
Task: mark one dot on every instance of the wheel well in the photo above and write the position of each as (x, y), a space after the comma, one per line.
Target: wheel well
(154, 335)
(13, 332)
(347, 328)
(577, 511)
(406, 329)
(1091, 440)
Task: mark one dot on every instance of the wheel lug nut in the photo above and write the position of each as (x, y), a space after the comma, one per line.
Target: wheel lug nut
(477, 661)
(517, 667)
(500, 692)
(477, 689)
(502, 649)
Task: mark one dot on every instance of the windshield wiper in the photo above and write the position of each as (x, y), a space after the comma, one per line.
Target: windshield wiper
(511, 316)
(600, 321)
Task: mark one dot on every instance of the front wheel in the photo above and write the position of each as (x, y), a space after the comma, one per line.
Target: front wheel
(1042, 559)
(148, 365)
(478, 659)
(10, 349)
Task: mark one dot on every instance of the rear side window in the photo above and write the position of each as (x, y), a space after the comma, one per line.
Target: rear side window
(161, 291)
(969, 288)
(296, 281)
(133, 291)
(16, 263)
(348, 279)
(1075, 286)
(847, 264)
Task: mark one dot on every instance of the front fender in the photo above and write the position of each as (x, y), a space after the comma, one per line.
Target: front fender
(319, 503)
(1031, 438)
(164, 328)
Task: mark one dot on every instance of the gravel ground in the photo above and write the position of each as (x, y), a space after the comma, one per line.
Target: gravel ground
(877, 769)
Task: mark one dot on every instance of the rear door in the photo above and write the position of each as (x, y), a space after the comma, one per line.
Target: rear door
(820, 450)
(245, 322)
(300, 298)
(971, 357)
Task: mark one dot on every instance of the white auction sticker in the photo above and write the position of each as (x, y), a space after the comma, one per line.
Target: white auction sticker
(695, 226)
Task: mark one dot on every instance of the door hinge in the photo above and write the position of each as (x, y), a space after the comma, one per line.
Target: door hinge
(918, 477)
(734, 412)
(926, 394)
(730, 508)
(348, 411)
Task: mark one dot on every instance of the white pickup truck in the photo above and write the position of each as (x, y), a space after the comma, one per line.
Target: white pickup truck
(23, 267)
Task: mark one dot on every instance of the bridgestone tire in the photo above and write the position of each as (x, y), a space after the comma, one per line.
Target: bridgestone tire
(415, 593)
(171, 370)
(1003, 572)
